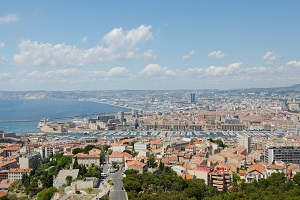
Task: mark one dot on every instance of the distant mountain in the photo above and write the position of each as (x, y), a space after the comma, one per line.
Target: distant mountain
(138, 94)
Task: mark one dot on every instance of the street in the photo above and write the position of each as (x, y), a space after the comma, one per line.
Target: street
(116, 191)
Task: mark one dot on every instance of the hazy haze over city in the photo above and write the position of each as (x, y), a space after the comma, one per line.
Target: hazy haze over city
(70, 45)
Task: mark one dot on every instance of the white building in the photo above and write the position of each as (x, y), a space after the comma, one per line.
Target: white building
(15, 174)
(87, 160)
(244, 141)
(139, 146)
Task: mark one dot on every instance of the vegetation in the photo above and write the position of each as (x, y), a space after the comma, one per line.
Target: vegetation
(151, 162)
(219, 142)
(46, 194)
(85, 150)
(275, 187)
(110, 182)
(167, 185)
(41, 179)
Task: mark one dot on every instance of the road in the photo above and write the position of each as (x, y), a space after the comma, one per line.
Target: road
(116, 191)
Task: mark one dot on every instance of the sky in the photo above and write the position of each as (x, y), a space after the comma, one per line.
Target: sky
(148, 45)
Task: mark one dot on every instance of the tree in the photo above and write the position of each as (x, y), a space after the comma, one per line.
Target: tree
(47, 180)
(151, 162)
(88, 148)
(296, 178)
(25, 180)
(32, 189)
(161, 166)
(77, 150)
(75, 164)
(102, 157)
(69, 180)
(106, 147)
(46, 194)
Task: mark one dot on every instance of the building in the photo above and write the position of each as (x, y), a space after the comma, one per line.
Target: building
(5, 184)
(244, 141)
(193, 98)
(136, 165)
(87, 182)
(121, 117)
(15, 174)
(87, 160)
(139, 146)
(46, 151)
(285, 154)
(232, 127)
(30, 160)
(221, 177)
(62, 175)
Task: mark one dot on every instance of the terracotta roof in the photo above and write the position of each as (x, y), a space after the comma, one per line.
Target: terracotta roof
(116, 156)
(2, 193)
(19, 170)
(82, 155)
(125, 154)
(189, 147)
(5, 183)
(135, 162)
(243, 172)
(257, 167)
(11, 148)
(187, 176)
(271, 166)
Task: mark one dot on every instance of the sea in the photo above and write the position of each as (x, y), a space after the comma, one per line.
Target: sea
(23, 115)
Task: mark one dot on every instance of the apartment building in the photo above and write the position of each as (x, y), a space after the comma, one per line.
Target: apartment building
(15, 174)
(285, 154)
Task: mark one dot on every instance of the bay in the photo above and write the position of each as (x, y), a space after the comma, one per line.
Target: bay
(38, 109)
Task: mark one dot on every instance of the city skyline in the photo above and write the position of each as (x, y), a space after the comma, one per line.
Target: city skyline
(148, 45)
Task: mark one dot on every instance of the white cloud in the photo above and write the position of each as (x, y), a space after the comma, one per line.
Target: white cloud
(149, 54)
(187, 56)
(216, 54)
(157, 71)
(269, 57)
(233, 68)
(120, 45)
(4, 76)
(2, 45)
(57, 74)
(9, 18)
(2, 60)
(84, 39)
(294, 63)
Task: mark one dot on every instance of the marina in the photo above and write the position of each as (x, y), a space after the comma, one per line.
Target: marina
(66, 137)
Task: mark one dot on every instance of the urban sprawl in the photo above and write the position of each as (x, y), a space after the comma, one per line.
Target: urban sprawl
(201, 135)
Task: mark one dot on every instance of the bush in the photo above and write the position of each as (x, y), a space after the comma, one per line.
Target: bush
(110, 182)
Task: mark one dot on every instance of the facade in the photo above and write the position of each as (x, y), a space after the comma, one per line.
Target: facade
(285, 154)
(121, 117)
(87, 160)
(15, 174)
(136, 165)
(118, 158)
(46, 151)
(139, 146)
(30, 160)
(244, 141)
(221, 177)
(232, 127)
(193, 98)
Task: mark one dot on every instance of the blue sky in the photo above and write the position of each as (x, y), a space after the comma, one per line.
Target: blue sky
(97, 45)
